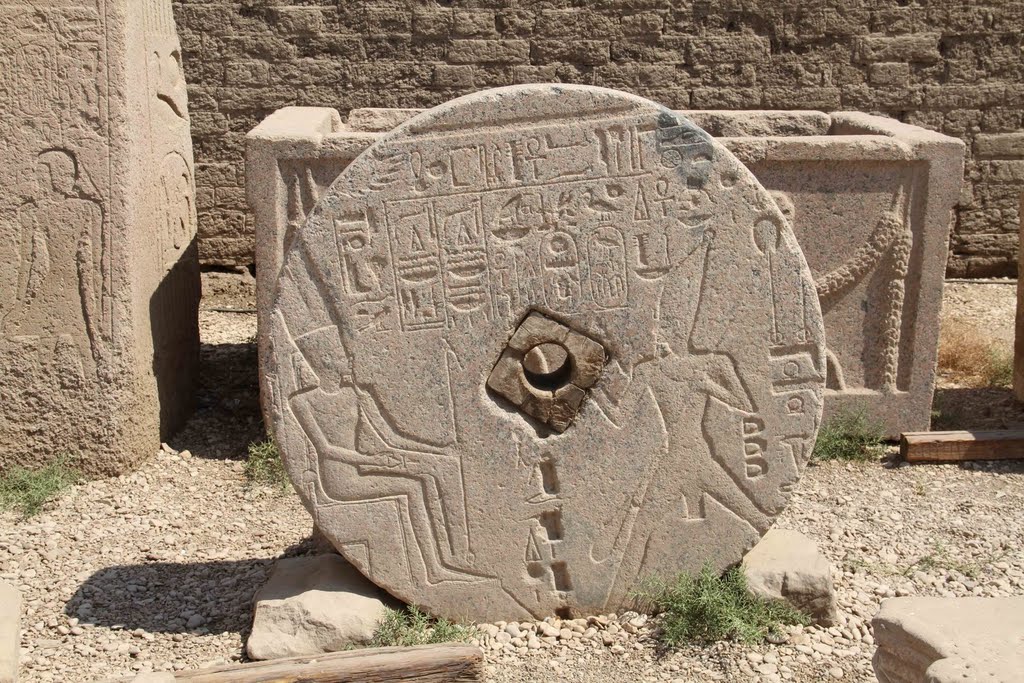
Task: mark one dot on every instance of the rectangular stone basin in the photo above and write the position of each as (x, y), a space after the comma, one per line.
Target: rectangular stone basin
(870, 200)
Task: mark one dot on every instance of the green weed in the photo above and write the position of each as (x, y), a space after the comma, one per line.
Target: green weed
(849, 436)
(28, 490)
(707, 607)
(264, 465)
(998, 372)
(413, 627)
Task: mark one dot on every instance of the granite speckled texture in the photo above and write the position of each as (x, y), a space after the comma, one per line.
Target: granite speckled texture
(623, 222)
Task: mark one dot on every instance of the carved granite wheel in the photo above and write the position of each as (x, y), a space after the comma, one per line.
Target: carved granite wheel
(538, 343)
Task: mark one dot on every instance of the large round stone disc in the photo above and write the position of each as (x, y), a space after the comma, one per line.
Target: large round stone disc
(540, 342)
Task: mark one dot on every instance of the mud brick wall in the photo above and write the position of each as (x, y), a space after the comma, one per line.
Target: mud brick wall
(954, 66)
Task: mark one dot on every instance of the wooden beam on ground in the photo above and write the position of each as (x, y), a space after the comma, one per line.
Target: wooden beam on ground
(451, 663)
(1004, 444)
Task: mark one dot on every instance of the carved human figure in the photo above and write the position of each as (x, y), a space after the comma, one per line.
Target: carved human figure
(660, 521)
(654, 248)
(361, 457)
(58, 280)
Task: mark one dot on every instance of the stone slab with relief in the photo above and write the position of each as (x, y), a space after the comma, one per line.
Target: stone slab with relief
(99, 275)
(538, 343)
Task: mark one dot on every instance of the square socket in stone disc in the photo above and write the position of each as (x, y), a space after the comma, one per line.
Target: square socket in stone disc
(546, 370)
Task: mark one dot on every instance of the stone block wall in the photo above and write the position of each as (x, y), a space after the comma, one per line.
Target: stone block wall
(948, 65)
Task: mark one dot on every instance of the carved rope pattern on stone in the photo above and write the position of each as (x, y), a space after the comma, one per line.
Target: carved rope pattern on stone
(864, 259)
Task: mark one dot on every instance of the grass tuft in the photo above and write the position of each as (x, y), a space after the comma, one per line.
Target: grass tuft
(849, 436)
(413, 627)
(264, 465)
(971, 358)
(707, 607)
(27, 491)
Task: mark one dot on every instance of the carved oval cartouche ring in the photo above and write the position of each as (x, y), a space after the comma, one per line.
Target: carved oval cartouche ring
(538, 343)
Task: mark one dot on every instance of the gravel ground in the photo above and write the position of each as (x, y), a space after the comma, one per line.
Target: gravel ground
(156, 570)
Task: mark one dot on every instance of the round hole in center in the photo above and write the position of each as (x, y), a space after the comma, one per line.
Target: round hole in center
(547, 366)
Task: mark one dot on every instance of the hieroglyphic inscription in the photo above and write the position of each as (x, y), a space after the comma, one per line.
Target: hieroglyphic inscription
(481, 227)
(482, 259)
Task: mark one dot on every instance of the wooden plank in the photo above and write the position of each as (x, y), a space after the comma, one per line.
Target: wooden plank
(1005, 444)
(451, 663)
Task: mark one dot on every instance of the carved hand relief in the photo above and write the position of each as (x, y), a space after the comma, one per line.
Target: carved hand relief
(538, 343)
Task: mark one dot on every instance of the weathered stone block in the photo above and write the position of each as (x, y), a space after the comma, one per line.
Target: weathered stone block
(728, 49)
(523, 301)
(489, 51)
(917, 47)
(99, 280)
(786, 565)
(474, 23)
(588, 52)
(448, 76)
(643, 23)
(949, 640)
(860, 190)
(889, 73)
(312, 605)
(297, 21)
(999, 145)
(432, 23)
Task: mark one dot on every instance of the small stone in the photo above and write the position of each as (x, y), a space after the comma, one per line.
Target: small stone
(786, 565)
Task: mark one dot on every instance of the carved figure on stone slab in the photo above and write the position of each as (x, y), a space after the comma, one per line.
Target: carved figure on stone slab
(58, 267)
(525, 302)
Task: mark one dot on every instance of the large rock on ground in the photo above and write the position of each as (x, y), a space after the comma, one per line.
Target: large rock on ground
(99, 273)
(312, 605)
(10, 632)
(537, 343)
(949, 640)
(786, 565)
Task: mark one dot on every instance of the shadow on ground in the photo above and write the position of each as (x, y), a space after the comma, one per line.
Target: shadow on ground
(162, 597)
(970, 408)
(227, 417)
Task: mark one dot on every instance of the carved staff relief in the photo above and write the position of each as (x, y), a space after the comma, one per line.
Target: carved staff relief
(540, 342)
